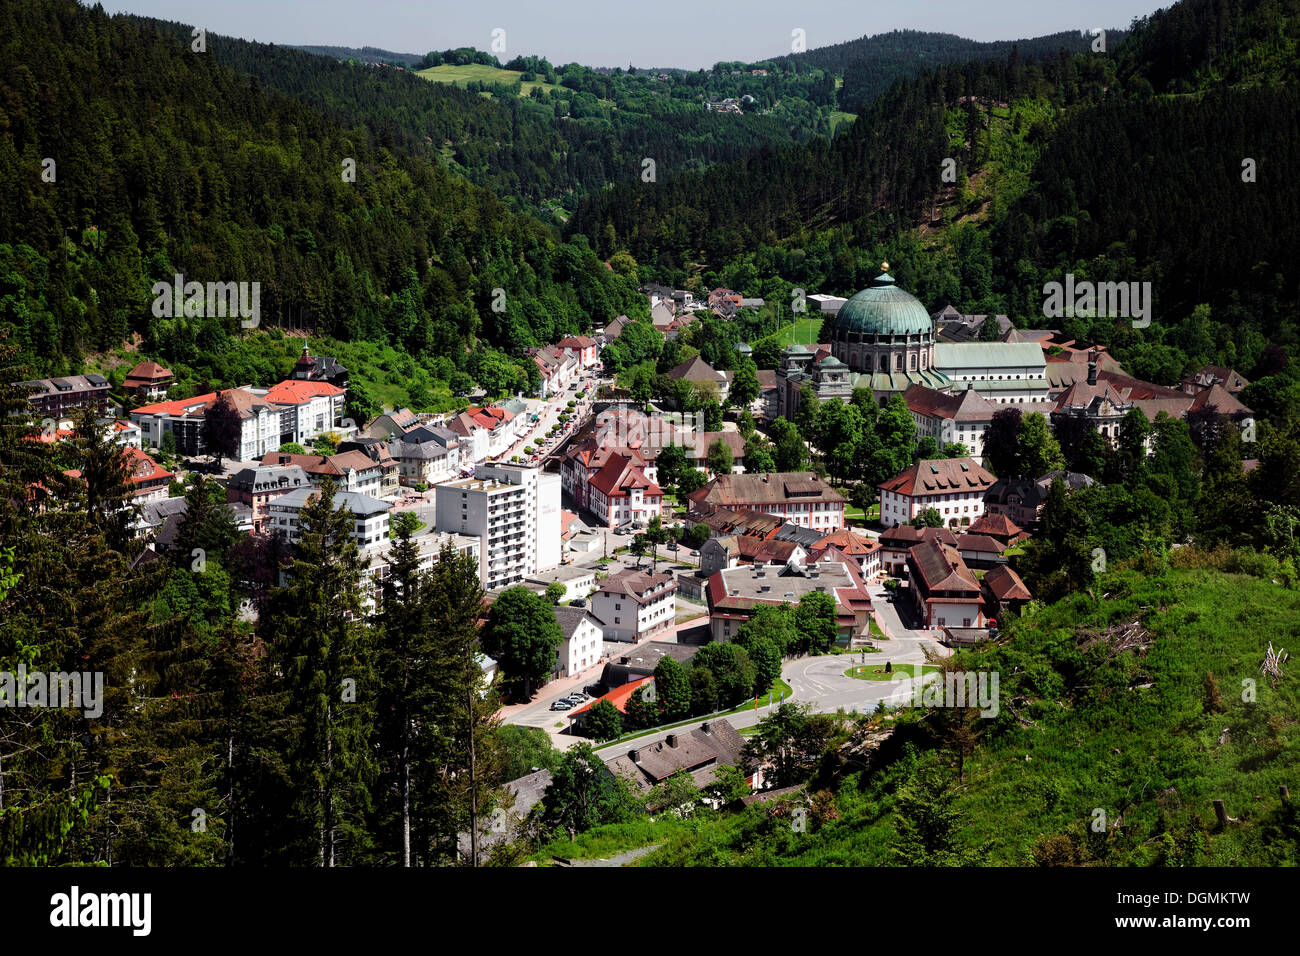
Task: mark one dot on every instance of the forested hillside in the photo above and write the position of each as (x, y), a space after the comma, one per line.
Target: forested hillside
(871, 64)
(165, 161)
(1128, 165)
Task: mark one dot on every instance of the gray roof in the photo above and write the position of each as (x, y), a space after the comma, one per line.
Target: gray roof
(359, 504)
(807, 537)
(269, 478)
(1074, 480)
(417, 450)
(700, 752)
(156, 512)
(423, 433)
(570, 617)
(988, 355)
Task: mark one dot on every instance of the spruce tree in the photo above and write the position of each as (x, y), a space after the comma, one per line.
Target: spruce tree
(320, 648)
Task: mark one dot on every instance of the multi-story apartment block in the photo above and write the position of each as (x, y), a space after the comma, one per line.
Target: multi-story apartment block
(59, 397)
(260, 422)
(308, 408)
(350, 470)
(257, 487)
(515, 511)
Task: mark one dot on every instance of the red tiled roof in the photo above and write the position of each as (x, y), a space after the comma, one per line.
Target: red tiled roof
(619, 697)
(242, 401)
(1221, 400)
(146, 373)
(296, 392)
(940, 476)
(848, 542)
(620, 476)
(904, 536)
(144, 468)
(941, 567)
(1005, 585)
(998, 525)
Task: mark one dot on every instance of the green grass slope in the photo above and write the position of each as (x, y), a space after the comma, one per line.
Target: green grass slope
(1096, 716)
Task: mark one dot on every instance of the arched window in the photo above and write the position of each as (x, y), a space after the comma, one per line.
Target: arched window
(898, 363)
(911, 363)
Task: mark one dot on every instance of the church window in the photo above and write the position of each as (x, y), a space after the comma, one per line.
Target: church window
(911, 363)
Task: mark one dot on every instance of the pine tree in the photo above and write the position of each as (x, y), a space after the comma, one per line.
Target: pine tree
(460, 776)
(320, 648)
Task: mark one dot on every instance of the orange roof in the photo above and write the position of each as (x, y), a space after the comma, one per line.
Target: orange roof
(144, 468)
(619, 697)
(242, 401)
(848, 542)
(295, 392)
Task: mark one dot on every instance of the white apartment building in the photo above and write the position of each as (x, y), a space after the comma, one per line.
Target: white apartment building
(632, 605)
(370, 528)
(514, 511)
(313, 408)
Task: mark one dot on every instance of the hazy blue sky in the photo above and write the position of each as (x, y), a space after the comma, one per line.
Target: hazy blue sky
(682, 33)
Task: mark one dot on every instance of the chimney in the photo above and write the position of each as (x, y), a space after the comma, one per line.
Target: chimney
(672, 740)
(706, 727)
(634, 755)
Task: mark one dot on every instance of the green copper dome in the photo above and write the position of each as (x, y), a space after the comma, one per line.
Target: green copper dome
(883, 309)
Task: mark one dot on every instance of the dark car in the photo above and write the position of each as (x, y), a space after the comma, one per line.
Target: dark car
(578, 602)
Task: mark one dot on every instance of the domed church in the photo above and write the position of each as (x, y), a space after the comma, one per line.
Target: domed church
(886, 333)
(883, 339)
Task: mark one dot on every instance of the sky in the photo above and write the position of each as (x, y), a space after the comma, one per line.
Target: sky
(644, 33)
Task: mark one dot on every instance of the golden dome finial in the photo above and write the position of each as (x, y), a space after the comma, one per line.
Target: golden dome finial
(884, 267)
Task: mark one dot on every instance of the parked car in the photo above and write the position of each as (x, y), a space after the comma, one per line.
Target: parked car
(562, 704)
(577, 697)
(695, 554)
(578, 602)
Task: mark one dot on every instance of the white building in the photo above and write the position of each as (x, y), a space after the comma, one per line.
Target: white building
(370, 527)
(1003, 372)
(314, 408)
(963, 417)
(515, 511)
(260, 423)
(578, 582)
(583, 645)
(632, 605)
(952, 486)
